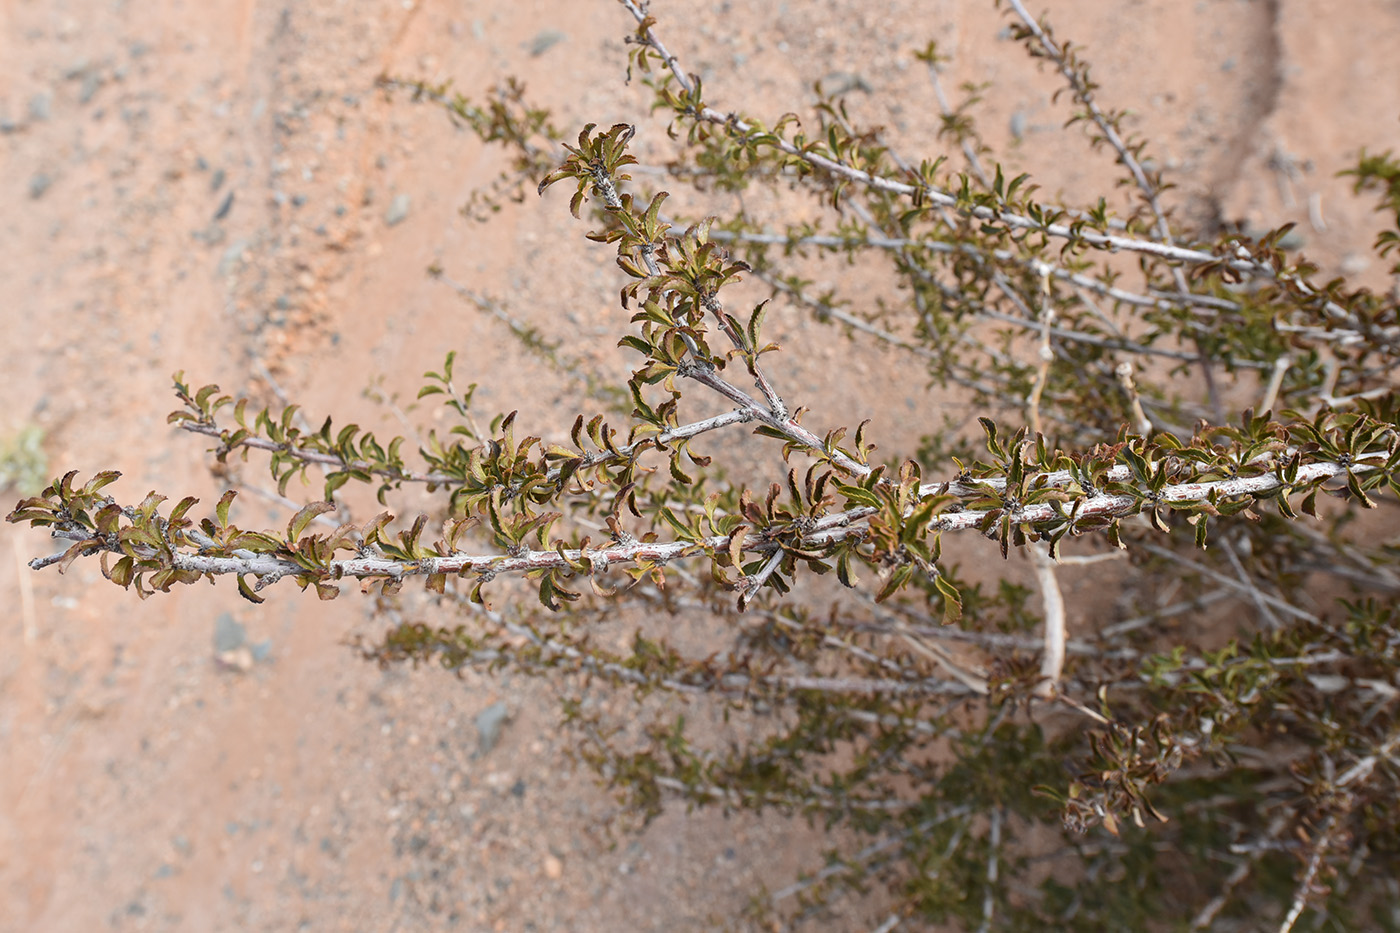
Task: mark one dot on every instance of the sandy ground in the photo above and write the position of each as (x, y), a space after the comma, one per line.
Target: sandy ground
(207, 187)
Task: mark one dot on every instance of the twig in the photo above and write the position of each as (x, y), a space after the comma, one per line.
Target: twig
(1235, 585)
(1241, 260)
(750, 586)
(993, 851)
(1108, 505)
(1251, 587)
(1141, 422)
(867, 854)
(827, 530)
(969, 151)
(1361, 771)
(1045, 355)
(606, 188)
(693, 429)
(1154, 298)
(1208, 913)
(1275, 382)
(1300, 899)
(989, 640)
(1137, 622)
(1052, 662)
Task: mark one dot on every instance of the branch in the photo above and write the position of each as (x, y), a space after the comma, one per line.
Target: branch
(1052, 662)
(1240, 260)
(681, 432)
(1105, 506)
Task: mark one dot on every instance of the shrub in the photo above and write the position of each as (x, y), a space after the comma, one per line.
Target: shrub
(1180, 768)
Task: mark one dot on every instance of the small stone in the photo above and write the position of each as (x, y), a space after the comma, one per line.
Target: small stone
(545, 40)
(229, 633)
(239, 659)
(840, 83)
(41, 106)
(488, 726)
(38, 185)
(1018, 124)
(553, 868)
(398, 210)
(91, 83)
(224, 207)
(1354, 264)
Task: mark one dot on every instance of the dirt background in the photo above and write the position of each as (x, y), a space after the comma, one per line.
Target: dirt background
(145, 785)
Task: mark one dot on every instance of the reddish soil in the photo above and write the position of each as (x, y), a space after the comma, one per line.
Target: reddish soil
(145, 784)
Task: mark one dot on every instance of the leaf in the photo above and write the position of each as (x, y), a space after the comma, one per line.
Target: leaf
(952, 600)
(246, 591)
(894, 582)
(181, 509)
(843, 570)
(304, 517)
(221, 510)
(74, 552)
(105, 478)
(736, 545)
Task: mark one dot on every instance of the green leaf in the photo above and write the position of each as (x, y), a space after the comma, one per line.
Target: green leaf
(246, 591)
(304, 517)
(221, 510)
(952, 600)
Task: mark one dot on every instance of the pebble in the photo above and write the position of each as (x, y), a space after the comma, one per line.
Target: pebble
(229, 633)
(1354, 264)
(38, 185)
(91, 83)
(488, 726)
(41, 106)
(553, 868)
(398, 210)
(839, 83)
(233, 255)
(224, 207)
(545, 40)
(1018, 124)
(239, 659)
